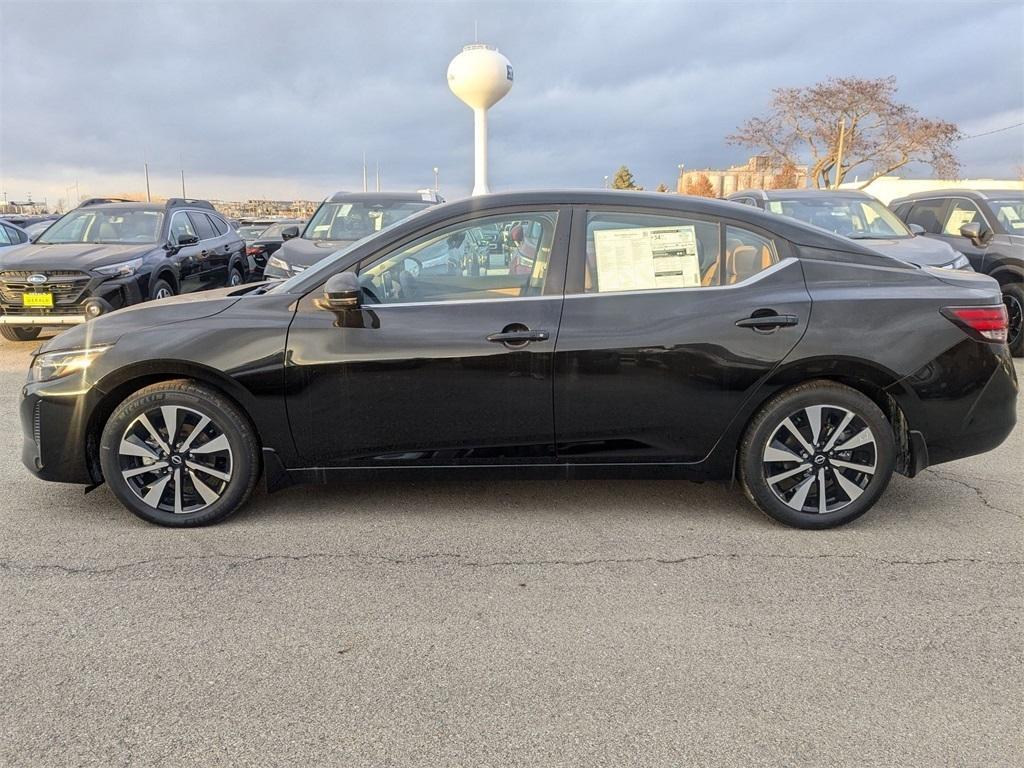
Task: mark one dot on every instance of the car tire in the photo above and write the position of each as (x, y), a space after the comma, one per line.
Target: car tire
(1013, 298)
(161, 289)
(235, 277)
(20, 332)
(193, 481)
(838, 430)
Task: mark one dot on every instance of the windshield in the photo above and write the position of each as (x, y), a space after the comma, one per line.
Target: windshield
(105, 225)
(1009, 212)
(351, 221)
(859, 219)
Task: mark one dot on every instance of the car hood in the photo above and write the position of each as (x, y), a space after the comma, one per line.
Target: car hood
(923, 251)
(306, 253)
(43, 256)
(177, 309)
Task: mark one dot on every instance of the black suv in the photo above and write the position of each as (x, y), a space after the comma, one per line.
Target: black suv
(988, 227)
(108, 254)
(341, 220)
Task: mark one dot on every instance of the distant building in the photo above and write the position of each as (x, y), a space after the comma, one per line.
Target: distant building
(758, 173)
(888, 188)
(297, 209)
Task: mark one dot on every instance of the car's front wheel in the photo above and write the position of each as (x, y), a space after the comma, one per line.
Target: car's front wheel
(19, 332)
(179, 454)
(1013, 298)
(817, 455)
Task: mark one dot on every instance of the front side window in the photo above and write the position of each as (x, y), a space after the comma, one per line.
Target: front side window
(5, 237)
(105, 225)
(497, 257)
(637, 252)
(927, 214)
(355, 220)
(854, 218)
(181, 226)
(962, 212)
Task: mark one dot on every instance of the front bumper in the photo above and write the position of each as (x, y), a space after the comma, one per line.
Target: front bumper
(55, 428)
(70, 291)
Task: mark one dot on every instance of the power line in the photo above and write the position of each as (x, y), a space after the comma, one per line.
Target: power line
(997, 130)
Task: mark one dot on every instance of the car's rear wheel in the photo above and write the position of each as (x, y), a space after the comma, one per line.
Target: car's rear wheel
(161, 289)
(817, 455)
(179, 454)
(1013, 298)
(235, 277)
(20, 332)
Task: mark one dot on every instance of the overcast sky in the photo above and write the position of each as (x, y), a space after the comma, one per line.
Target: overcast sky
(281, 99)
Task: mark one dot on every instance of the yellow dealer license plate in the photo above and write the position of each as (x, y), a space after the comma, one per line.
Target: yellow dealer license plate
(37, 299)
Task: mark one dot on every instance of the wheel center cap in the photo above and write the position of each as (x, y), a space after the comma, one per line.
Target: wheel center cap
(176, 460)
(819, 459)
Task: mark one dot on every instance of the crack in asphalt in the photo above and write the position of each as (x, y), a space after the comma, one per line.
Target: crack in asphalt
(977, 492)
(234, 562)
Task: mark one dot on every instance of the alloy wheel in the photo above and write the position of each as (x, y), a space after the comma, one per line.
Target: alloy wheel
(235, 279)
(1015, 317)
(163, 293)
(175, 459)
(820, 459)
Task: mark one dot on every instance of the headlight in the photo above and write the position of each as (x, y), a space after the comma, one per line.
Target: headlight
(276, 263)
(55, 365)
(961, 262)
(124, 269)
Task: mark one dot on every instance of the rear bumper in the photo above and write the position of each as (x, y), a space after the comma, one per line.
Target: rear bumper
(961, 404)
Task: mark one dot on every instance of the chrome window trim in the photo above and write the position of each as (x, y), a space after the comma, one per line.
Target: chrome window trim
(461, 301)
(194, 210)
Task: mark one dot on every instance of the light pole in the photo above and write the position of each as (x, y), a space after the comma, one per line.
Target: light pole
(606, 182)
(437, 186)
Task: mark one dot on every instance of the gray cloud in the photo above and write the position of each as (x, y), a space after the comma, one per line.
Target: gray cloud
(275, 96)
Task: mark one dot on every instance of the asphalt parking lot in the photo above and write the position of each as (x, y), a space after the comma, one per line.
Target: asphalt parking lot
(451, 623)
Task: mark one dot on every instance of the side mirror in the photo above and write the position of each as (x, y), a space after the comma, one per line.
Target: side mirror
(289, 232)
(976, 233)
(341, 292)
(916, 229)
(184, 240)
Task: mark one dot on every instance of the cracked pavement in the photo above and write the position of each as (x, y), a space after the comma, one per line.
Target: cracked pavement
(532, 623)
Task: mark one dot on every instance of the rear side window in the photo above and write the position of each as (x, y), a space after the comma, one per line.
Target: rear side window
(218, 224)
(927, 214)
(203, 226)
(637, 252)
(746, 254)
(5, 237)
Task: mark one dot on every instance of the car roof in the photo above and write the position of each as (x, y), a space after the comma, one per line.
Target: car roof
(358, 197)
(972, 194)
(790, 229)
(127, 207)
(797, 194)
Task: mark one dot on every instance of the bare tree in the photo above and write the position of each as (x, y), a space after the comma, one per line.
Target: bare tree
(877, 131)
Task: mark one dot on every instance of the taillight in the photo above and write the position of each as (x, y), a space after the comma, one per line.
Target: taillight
(991, 323)
(255, 250)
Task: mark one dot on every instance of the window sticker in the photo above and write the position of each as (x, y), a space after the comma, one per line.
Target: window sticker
(646, 258)
(958, 218)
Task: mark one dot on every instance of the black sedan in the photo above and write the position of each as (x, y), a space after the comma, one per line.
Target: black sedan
(626, 334)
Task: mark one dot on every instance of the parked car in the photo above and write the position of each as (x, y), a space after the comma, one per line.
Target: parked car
(264, 245)
(856, 215)
(35, 229)
(11, 234)
(250, 229)
(104, 256)
(339, 221)
(655, 335)
(988, 226)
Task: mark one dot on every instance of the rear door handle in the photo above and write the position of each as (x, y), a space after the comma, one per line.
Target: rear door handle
(768, 321)
(518, 337)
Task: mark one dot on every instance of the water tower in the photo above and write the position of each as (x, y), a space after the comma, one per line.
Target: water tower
(480, 76)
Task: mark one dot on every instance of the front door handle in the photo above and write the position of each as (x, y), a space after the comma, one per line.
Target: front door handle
(519, 337)
(767, 322)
